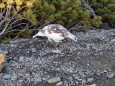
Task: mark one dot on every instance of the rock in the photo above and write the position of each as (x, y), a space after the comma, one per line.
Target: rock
(113, 66)
(98, 73)
(7, 76)
(20, 81)
(105, 71)
(34, 50)
(56, 51)
(111, 75)
(5, 52)
(92, 85)
(21, 59)
(2, 60)
(14, 77)
(112, 41)
(59, 84)
(79, 79)
(54, 80)
(83, 81)
(89, 80)
(38, 79)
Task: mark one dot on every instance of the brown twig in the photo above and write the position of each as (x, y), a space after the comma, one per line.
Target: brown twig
(18, 41)
(77, 24)
(1, 33)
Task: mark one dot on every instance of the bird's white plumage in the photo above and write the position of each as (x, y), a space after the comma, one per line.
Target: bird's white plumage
(54, 36)
(56, 33)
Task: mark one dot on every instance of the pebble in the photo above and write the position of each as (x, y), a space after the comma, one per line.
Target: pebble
(105, 71)
(92, 85)
(56, 51)
(7, 76)
(21, 59)
(113, 66)
(13, 45)
(79, 79)
(89, 80)
(39, 79)
(20, 81)
(54, 80)
(83, 81)
(14, 77)
(34, 50)
(59, 84)
(112, 41)
(5, 52)
(110, 75)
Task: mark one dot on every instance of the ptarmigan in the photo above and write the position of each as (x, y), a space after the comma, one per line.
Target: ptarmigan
(56, 33)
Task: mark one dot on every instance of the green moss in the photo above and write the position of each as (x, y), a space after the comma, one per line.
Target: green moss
(29, 15)
(5, 40)
(25, 33)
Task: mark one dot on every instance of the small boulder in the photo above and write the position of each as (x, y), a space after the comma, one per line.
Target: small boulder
(54, 80)
(2, 61)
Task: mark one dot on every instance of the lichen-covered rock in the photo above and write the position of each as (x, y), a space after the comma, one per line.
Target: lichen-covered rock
(54, 80)
(2, 60)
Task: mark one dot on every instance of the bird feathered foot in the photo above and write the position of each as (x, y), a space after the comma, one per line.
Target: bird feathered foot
(54, 43)
(50, 40)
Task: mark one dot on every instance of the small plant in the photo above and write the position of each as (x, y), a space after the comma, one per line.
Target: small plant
(105, 9)
(64, 12)
(15, 15)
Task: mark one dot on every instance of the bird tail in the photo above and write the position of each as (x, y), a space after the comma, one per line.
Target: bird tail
(34, 36)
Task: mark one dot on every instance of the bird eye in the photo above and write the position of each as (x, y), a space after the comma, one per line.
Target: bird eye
(75, 38)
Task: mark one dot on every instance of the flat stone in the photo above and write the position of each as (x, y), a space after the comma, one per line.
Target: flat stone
(34, 50)
(21, 59)
(7, 76)
(111, 75)
(92, 85)
(54, 80)
(89, 80)
(56, 51)
(59, 84)
(83, 81)
(14, 77)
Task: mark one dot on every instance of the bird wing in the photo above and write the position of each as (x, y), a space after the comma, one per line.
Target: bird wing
(57, 28)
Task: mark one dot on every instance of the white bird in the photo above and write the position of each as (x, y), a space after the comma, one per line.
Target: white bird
(56, 33)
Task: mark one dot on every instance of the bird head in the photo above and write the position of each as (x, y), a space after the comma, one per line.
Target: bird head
(40, 33)
(74, 38)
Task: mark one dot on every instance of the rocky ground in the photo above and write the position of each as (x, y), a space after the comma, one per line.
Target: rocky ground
(88, 62)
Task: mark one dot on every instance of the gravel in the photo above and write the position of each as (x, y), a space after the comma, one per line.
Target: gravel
(88, 62)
